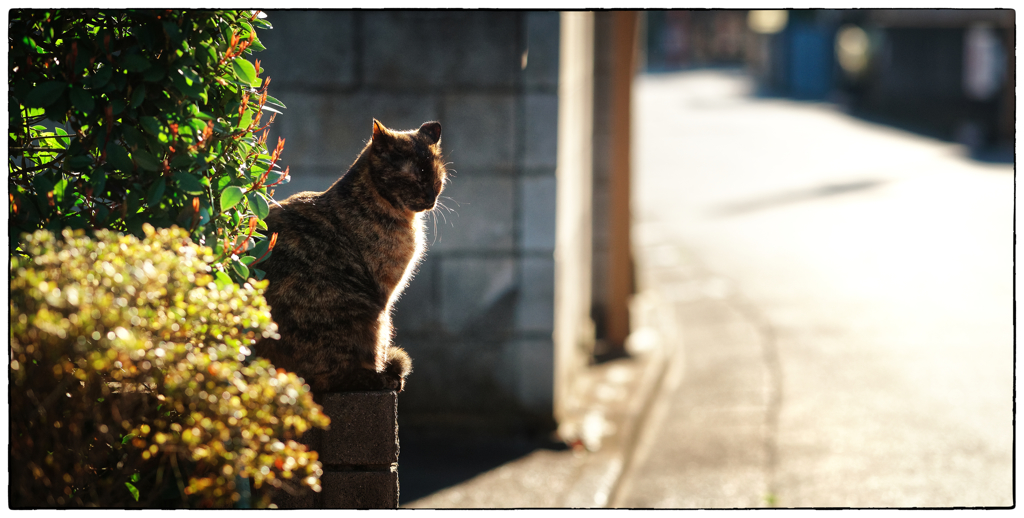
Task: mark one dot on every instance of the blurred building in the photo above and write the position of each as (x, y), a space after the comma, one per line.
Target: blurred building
(501, 313)
(680, 39)
(947, 73)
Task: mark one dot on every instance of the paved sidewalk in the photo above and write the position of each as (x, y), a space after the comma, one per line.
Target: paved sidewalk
(844, 297)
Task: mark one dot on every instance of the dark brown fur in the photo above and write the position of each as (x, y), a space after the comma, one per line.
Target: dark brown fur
(342, 259)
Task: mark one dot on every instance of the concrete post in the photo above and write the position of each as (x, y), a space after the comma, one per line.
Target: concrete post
(359, 453)
(573, 329)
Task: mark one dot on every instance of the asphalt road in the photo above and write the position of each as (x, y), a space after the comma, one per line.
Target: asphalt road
(844, 294)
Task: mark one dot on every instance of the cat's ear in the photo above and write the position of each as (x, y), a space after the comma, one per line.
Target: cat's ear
(379, 131)
(432, 130)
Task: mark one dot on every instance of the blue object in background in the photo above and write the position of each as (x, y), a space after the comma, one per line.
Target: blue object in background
(810, 61)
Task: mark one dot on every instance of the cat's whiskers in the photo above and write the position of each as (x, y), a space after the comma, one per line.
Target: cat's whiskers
(433, 214)
(440, 206)
(452, 200)
(449, 209)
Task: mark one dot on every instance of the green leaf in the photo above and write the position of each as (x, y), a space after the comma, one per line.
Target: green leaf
(188, 183)
(78, 162)
(98, 179)
(244, 70)
(181, 160)
(138, 95)
(101, 77)
(151, 125)
(117, 106)
(258, 204)
(46, 94)
(146, 160)
(222, 280)
(155, 192)
(273, 100)
(260, 249)
(82, 100)
(276, 176)
(60, 190)
(245, 120)
(230, 197)
(43, 183)
(133, 490)
(184, 82)
(205, 54)
(101, 214)
(63, 141)
(131, 136)
(135, 63)
(257, 46)
(172, 32)
(223, 182)
(246, 29)
(118, 157)
(240, 269)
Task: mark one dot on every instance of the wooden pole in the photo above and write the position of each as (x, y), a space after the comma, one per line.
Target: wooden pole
(620, 260)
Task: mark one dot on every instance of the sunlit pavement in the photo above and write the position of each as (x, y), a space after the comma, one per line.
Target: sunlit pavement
(843, 302)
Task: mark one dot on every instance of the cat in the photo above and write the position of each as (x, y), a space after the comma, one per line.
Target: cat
(342, 259)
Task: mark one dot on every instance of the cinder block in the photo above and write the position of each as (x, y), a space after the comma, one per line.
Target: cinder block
(542, 30)
(364, 429)
(314, 179)
(541, 139)
(481, 216)
(494, 61)
(536, 373)
(330, 130)
(537, 213)
(399, 51)
(416, 310)
(425, 49)
(479, 132)
(535, 309)
(323, 39)
(473, 288)
(360, 490)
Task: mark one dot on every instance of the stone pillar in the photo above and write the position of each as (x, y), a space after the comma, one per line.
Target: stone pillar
(359, 454)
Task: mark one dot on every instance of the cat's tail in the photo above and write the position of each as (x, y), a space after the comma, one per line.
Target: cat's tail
(397, 366)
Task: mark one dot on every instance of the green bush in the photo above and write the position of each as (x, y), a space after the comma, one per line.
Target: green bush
(129, 381)
(119, 118)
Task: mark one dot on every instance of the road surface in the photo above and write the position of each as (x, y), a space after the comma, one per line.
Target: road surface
(844, 295)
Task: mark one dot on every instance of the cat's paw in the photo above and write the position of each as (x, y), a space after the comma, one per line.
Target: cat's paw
(397, 367)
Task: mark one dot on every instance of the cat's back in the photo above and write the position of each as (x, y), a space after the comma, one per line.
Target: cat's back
(315, 251)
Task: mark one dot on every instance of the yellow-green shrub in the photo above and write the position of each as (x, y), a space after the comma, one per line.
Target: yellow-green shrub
(129, 380)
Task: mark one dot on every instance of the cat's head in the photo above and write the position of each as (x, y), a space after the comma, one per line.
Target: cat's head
(408, 170)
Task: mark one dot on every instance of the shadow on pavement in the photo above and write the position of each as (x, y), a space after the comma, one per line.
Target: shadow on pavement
(788, 197)
(433, 460)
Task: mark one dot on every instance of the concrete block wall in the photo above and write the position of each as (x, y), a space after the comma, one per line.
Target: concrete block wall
(478, 317)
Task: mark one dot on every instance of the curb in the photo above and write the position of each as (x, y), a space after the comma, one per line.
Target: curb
(602, 472)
